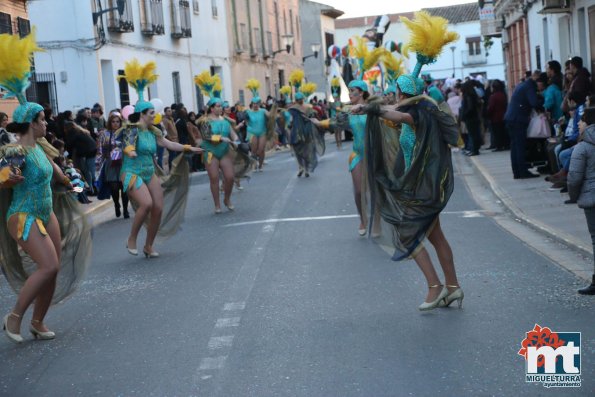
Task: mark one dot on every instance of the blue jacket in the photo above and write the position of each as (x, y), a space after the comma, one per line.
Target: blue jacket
(553, 101)
(523, 100)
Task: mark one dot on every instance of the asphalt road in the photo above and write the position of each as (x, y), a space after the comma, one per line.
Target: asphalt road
(282, 298)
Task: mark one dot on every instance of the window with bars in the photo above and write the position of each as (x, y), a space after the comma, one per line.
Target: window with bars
(177, 88)
(244, 36)
(180, 14)
(120, 23)
(474, 44)
(214, 8)
(195, 8)
(24, 27)
(151, 16)
(258, 46)
(5, 23)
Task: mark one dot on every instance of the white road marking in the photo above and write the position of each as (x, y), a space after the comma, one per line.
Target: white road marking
(218, 342)
(279, 220)
(234, 306)
(210, 363)
(227, 322)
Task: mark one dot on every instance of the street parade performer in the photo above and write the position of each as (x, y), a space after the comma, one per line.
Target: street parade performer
(358, 95)
(222, 149)
(261, 124)
(413, 187)
(49, 228)
(144, 186)
(305, 139)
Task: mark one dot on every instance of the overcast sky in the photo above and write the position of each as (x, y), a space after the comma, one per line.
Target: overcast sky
(360, 8)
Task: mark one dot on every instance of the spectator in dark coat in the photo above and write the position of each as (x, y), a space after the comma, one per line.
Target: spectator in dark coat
(523, 100)
(581, 84)
(581, 179)
(470, 114)
(496, 109)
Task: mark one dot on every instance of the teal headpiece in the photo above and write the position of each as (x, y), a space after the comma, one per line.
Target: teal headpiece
(299, 96)
(142, 105)
(214, 101)
(359, 84)
(225, 104)
(410, 85)
(26, 112)
(256, 99)
(390, 89)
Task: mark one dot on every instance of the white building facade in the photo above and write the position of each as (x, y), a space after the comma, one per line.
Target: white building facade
(182, 37)
(466, 57)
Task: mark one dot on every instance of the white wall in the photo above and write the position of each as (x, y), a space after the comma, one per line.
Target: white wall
(70, 28)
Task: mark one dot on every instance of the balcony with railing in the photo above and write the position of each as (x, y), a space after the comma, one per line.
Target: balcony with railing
(474, 58)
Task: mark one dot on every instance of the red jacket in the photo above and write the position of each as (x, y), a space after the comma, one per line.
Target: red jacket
(497, 107)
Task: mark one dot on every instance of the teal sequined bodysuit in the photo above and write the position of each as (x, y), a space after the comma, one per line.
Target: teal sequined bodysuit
(32, 199)
(137, 170)
(357, 122)
(407, 142)
(256, 122)
(218, 150)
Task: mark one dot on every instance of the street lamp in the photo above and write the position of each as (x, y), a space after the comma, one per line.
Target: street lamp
(453, 48)
(287, 41)
(315, 49)
(120, 5)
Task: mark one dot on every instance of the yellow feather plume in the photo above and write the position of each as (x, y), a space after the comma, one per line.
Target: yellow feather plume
(253, 84)
(428, 34)
(373, 57)
(15, 61)
(308, 88)
(285, 90)
(217, 87)
(296, 77)
(206, 82)
(335, 82)
(139, 76)
(360, 49)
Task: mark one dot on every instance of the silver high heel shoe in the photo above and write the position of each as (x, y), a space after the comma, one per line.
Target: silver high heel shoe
(42, 335)
(434, 304)
(132, 251)
(456, 295)
(17, 338)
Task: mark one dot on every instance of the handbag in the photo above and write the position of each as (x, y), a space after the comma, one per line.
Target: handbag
(538, 127)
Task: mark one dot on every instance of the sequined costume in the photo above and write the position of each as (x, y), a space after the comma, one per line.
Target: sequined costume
(256, 123)
(213, 147)
(32, 199)
(139, 170)
(357, 123)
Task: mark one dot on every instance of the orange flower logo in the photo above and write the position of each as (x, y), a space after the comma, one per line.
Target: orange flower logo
(540, 337)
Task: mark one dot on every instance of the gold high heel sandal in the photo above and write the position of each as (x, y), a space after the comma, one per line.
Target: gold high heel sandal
(434, 304)
(42, 335)
(17, 338)
(456, 295)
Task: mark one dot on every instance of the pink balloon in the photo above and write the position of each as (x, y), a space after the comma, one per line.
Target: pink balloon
(127, 111)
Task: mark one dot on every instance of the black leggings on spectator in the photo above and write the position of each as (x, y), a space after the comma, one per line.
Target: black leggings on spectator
(116, 188)
(590, 215)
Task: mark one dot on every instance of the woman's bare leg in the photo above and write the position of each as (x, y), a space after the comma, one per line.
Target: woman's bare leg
(213, 173)
(42, 251)
(226, 166)
(356, 176)
(445, 256)
(427, 268)
(262, 141)
(156, 192)
(142, 197)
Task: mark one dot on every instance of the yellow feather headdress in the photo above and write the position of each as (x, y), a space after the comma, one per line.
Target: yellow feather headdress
(205, 82)
(139, 76)
(285, 90)
(366, 59)
(295, 78)
(393, 67)
(429, 35)
(15, 64)
(308, 89)
(253, 85)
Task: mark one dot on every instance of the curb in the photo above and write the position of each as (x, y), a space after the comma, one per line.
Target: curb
(549, 231)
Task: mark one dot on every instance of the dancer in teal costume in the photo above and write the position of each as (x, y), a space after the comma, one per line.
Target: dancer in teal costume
(217, 133)
(140, 139)
(31, 247)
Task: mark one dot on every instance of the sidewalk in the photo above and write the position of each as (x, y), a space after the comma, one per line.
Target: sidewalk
(532, 201)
